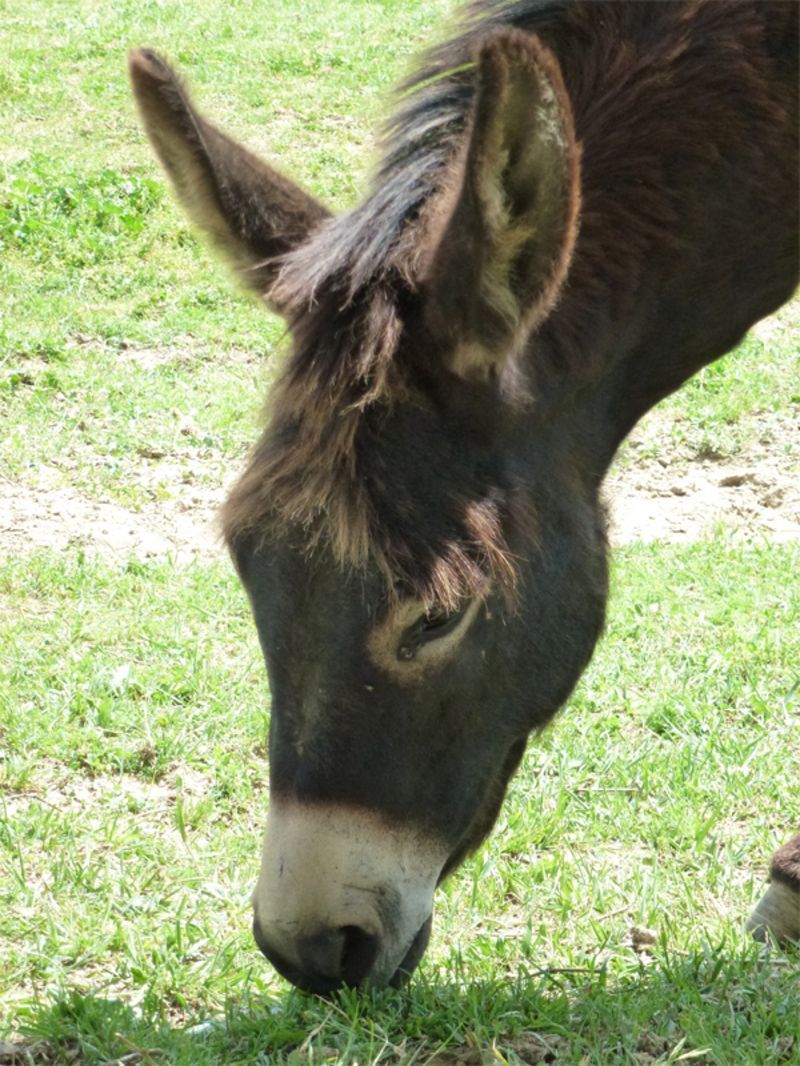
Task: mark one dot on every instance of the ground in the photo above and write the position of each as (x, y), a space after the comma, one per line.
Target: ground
(662, 491)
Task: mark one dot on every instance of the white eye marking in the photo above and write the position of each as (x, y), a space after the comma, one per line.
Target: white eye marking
(408, 644)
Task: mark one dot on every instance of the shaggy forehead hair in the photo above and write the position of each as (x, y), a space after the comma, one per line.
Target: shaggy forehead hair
(321, 477)
(314, 471)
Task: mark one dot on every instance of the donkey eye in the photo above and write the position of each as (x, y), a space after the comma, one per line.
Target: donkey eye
(429, 627)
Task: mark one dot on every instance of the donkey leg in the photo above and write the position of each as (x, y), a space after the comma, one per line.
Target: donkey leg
(778, 911)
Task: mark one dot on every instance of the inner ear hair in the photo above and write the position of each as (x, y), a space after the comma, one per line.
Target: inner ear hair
(502, 232)
(252, 213)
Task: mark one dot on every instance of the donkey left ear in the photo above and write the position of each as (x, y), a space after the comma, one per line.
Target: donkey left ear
(502, 234)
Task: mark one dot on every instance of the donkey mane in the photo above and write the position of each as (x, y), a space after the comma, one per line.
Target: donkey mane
(359, 248)
(314, 469)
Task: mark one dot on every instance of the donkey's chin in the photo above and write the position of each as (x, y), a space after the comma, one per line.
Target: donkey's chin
(413, 956)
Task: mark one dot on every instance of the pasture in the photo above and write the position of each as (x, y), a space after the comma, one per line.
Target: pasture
(602, 922)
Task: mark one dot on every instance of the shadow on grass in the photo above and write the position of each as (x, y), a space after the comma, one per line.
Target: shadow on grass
(709, 1006)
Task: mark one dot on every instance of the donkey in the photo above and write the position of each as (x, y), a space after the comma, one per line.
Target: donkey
(578, 206)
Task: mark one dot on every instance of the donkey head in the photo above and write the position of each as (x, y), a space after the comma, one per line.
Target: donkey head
(416, 531)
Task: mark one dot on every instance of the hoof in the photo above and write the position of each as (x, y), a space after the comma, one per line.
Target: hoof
(777, 913)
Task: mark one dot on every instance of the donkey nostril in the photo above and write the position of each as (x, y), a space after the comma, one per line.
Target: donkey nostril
(325, 960)
(343, 955)
(359, 951)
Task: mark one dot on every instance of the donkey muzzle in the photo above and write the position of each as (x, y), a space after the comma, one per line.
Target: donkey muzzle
(343, 897)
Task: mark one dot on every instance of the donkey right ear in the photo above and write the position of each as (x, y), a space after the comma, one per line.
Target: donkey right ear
(253, 214)
(502, 236)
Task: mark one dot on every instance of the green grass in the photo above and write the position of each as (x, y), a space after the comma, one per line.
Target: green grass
(133, 778)
(133, 702)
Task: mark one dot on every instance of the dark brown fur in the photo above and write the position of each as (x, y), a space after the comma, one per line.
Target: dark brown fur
(344, 288)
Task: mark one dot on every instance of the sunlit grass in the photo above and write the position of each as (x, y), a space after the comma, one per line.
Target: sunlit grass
(133, 702)
(134, 780)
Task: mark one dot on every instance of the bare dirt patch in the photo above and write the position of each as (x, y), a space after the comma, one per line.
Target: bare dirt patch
(185, 353)
(61, 517)
(658, 490)
(662, 491)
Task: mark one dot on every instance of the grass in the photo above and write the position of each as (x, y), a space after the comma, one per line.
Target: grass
(133, 776)
(133, 703)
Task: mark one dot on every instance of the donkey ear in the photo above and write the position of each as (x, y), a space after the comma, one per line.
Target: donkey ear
(251, 212)
(501, 237)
